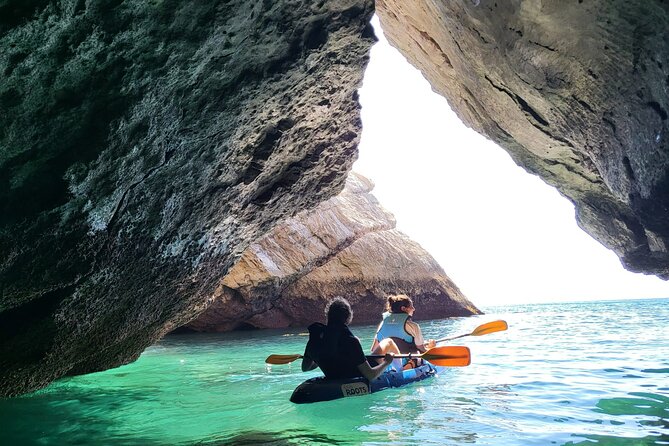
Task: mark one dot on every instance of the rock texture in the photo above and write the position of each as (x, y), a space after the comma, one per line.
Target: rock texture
(575, 91)
(347, 246)
(143, 145)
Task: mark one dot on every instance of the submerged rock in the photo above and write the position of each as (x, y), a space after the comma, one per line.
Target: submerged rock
(347, 246)
(143, 145)
(576, 92)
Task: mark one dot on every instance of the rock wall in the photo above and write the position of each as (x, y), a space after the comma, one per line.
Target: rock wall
(575, 91)
(145, 143)
(143, 146)
(347, 246)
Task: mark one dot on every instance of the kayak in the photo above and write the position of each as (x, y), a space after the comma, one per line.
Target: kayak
(322, 389)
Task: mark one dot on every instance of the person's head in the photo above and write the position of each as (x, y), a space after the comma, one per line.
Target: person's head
(338, 310)
(400, 303)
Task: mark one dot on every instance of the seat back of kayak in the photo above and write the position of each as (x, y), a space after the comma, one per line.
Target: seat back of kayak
(321, 389)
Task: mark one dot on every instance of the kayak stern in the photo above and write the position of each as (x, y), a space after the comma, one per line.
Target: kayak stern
(322, 389)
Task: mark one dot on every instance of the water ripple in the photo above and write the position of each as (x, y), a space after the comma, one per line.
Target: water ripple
(563, 374)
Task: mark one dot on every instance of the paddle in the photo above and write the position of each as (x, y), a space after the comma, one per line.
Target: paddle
(490, 327)
(450, 356)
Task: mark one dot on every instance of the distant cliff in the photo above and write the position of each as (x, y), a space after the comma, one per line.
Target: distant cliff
(347, 247)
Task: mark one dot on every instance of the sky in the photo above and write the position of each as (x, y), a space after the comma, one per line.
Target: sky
(501, 234)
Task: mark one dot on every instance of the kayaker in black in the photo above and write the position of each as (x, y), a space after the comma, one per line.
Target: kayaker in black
(337, 351)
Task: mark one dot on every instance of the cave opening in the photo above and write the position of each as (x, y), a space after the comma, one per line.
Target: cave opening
(503, 235)
(245, 326)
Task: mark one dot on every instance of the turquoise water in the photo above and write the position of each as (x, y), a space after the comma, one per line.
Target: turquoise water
(563, 374)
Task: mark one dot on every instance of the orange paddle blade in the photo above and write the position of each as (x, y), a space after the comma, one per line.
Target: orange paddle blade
(450, 356)
(490, 327)
(282, 359)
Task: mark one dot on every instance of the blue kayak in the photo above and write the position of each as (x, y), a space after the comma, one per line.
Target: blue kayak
(322, 389)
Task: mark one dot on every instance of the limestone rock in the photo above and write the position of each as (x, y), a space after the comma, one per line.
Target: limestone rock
(347, 246)
(143, 146)
(145, 143)
(576, 92)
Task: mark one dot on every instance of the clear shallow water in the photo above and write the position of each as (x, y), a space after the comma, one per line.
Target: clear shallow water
(564, 374)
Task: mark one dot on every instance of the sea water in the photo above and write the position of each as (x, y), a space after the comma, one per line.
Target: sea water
(594, 373)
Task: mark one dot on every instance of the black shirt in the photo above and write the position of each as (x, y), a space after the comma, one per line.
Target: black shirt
(336, 351)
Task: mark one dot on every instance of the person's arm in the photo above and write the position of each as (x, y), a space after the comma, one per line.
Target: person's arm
(429, 343)
(375, 342)
(414, 330)
(308, 363)
(372, 373)
(357, 356)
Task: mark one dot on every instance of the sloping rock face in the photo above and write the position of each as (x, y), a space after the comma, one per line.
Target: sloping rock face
(346, 247)
(576, 92)
(143, 146)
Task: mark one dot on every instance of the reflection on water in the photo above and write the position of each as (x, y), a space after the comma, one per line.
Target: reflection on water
(649, 411)
(562, 374)
(605, 440)
(649, 404)
(71, 415)
(283, 438)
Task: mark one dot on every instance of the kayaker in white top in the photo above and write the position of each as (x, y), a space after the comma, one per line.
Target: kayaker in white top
(397, 324)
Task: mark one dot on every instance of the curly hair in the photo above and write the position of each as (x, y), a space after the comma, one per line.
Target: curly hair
(338, 310)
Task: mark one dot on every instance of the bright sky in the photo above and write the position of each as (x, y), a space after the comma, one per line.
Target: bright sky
(501, 234)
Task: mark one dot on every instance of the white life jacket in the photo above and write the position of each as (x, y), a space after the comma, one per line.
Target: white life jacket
(393, 326)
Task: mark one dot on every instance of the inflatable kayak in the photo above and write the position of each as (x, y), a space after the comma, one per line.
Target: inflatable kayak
(321, 389)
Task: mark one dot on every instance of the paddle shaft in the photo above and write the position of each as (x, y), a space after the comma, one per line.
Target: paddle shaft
(447, 356)
(453, 356)
(400, 356)
(490, 327)
(450, 339)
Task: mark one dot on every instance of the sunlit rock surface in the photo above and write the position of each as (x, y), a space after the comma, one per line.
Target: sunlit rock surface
(346, 247)
(143, 145)
(576, 92)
